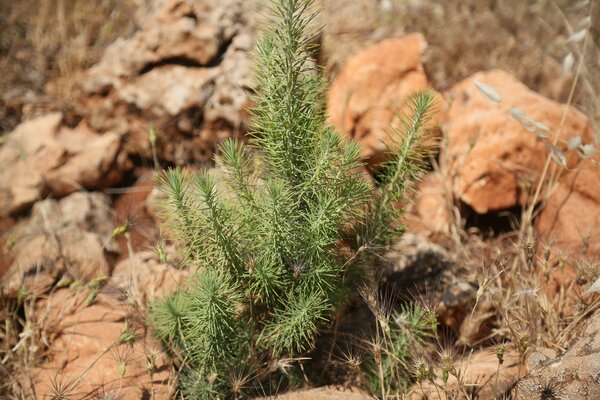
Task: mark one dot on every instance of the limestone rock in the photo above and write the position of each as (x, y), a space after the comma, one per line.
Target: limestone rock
(67, 237)
(41, 157)
(100, 349)
(480, 375)
(145, 277)
(326, 393)
(575, 375)
(492, 159)
(184, 74)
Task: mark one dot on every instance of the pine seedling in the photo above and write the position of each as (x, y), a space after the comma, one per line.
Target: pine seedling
(282, 238)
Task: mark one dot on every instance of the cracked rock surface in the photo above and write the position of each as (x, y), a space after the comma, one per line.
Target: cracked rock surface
(41, 157)
(69, 238)
(575, 375)
(184, 74)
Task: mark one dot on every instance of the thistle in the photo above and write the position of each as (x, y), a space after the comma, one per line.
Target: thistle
(289, 229)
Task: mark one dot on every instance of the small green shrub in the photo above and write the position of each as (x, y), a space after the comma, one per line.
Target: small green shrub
(290, 230)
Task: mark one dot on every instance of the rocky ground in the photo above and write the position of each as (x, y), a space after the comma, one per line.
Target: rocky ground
(507, 262)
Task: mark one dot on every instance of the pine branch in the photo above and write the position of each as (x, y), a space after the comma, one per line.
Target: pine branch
(238, 166)
(293, 328)
(219, 223)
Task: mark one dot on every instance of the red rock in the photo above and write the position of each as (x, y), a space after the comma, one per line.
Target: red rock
(130, 208)
(569, 220)
(86, 352)
(491, 157)
(371, 88)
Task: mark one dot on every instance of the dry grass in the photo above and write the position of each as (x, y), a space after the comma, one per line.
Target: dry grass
(44, 44)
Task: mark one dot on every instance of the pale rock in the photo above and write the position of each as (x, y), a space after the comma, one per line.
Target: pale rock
(480, 373)
(85, 349)
(186, 73)
(66, 238)
(574, 375)
(325, 393)
(41, 157)
(143, 276)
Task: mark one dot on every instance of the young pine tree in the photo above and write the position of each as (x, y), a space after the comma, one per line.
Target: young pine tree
(280, 237)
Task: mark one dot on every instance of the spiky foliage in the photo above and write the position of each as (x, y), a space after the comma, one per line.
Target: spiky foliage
(277, 245)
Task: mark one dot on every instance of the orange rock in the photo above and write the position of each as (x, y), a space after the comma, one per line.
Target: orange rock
(371, 88)
(430, 212)
(85, 350)
(570, 219)
(326, 393)
(478, 372)
(492, 159)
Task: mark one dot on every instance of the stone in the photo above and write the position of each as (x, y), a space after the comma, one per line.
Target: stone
(325, 393)
(427, 271)
(131, 209)
(99, 349)
(144, 277)
(574, 375)
(184, 75)
(431, 211)
(7, 241)
(539, 357)
(344, 27)
(42, 157)
(493, 162)
(569, 220)
(454, 309)
(415, 260)
(154, 202)
(70, 238)
(480, 375)
(371, 88)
